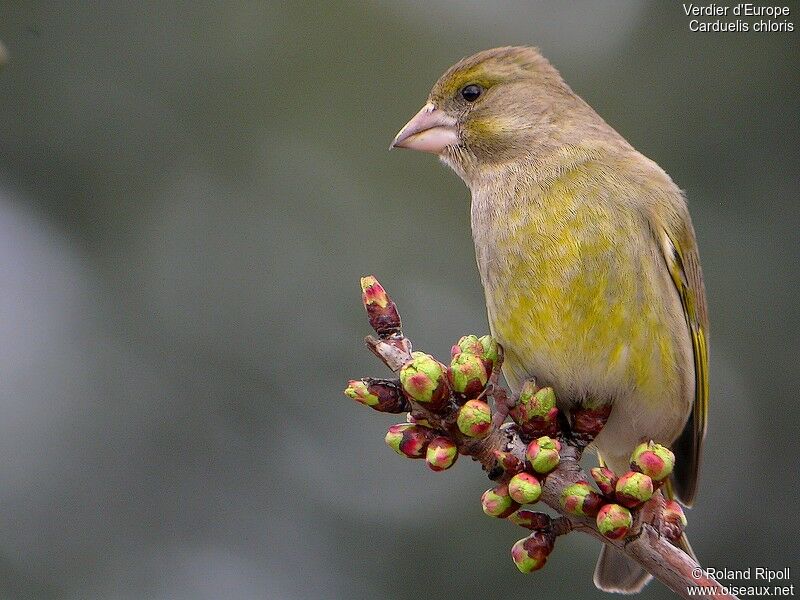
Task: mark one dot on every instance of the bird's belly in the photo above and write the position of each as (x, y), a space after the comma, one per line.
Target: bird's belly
(584, 317)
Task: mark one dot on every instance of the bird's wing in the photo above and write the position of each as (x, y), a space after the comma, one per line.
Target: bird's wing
(679, 248)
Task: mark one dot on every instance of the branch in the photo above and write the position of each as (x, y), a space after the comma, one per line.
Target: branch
(441, 419)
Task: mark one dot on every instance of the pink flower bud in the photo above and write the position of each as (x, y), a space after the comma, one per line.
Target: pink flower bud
(441, 453)
(409, 440)
(543, 455)
(474, 419)
(614, 521)
(653, 460)
(530, 554)
(633, 489)
(382, 312)
(497, 502)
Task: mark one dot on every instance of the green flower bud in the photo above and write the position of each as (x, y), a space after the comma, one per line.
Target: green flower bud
(529, 519)
(542, 453)
(469, 344)
(497, 502)
(535, 411)
(474, 419)
(492, 353)
(381, 395)
(358, 391)
(409, 440)
(530, 554)
(423, 379)
(674, 520)
(654, 460)
(580, 500)
(614, 521)
(524, 488)
(382, 312)
(467, 375)
(441, 453)
(605, 480)
(633, 489)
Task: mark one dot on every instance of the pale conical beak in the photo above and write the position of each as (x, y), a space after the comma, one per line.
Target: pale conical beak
(430, 130)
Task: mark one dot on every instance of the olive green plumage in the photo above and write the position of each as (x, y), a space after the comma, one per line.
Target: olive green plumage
(587, 255)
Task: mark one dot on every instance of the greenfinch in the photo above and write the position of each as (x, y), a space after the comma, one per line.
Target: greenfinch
(587, 256)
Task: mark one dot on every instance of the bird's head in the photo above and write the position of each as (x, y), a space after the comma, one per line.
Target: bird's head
(497, 106)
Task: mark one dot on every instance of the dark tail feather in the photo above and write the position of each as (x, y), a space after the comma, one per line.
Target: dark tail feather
(615, 572)
(687, 450)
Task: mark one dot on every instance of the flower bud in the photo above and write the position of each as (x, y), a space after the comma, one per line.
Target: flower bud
(358, 391)
(492, 354)
(474, 419)
(654, 460)
(580, 500)
(418, 420)
(408, 439)
(507, 465)
(469, 344)
(530, 554)
(441, 453)
(614, 521)
(467, 375)
(674, 520)
(423, 379)
(382, 312)
(535, 411)
(383, 396)
(589, 422)
(542, 453)
(524, 488)
(605, 480)
(633, 489)
(531, 520)
(497, 502)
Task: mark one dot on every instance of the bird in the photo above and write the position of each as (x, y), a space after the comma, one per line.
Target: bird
(588, 259)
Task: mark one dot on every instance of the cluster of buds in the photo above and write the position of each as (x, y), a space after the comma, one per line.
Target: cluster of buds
(535, 411)
(447, 406)
(427, 389)
(485, 347)
(651, 464)
(472, 362)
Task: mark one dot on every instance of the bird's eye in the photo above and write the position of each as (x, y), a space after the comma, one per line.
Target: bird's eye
(471, 92)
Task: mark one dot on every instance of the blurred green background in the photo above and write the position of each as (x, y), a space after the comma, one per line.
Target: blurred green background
(188, 196)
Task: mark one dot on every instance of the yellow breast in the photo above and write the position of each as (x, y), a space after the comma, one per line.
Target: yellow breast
(576, 298)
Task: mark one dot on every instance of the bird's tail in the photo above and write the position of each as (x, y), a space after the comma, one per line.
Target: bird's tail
(615, 572)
